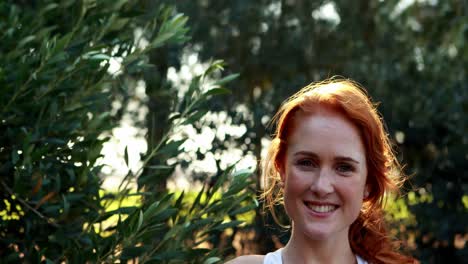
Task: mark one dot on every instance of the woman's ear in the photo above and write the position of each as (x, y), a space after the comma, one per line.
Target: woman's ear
(280, 169)
(366, 191)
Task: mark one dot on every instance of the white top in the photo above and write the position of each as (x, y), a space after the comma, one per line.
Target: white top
(275, 258)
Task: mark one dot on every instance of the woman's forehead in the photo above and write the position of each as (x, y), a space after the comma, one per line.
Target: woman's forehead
(326, 130)
(321, 117)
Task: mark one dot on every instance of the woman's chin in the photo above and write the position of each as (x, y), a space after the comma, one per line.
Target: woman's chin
(323, 231)
(318, 234)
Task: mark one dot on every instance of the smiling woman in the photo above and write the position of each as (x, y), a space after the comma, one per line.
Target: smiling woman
(330, 164)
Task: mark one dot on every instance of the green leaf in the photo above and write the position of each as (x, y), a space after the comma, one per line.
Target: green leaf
(55, 141)
(212, 260)
(171, 31)
(197, 199)
(194, 86)
(195, 116)
(160, 167)
(170, 255)
(172, 232)
(164, 215)
(122, 210)
(63, 42)
(25, 41)
(14, 156)
(242, 175)
(161, 39)
(140, 220)
(178, 21)
(216, 65)
(58, 57)
(217, 91)
(119, 24)
(48, 8)
(73, 197)
(221, 180)
(126, 156)
(66, 205)
(178, 203)
(192, 227)
(132, 252)
(100, 57)
(171, 148)
(217, 205)
(174, 116)
(43, 33)
(240, 178)
(244, 209)
(227, 79)
(228, 225)
(156, 207)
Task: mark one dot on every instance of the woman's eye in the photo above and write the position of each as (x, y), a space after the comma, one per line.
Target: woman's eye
(344, 168)
(305, 163)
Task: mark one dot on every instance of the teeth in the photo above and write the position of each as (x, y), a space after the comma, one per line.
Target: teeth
(321, 208)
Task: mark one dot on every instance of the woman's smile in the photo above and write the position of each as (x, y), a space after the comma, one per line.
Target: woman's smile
(325, 174)
(321, 209)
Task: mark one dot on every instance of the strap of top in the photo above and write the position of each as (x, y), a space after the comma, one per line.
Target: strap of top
(360, 260)
(275, 258)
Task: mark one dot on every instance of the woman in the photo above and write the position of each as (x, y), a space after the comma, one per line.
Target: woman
(330, 163)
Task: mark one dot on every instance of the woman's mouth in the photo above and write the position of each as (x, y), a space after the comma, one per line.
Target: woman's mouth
(321, 208)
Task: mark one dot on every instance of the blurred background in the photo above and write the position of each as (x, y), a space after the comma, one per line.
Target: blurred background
(410, 55)
(132, 108)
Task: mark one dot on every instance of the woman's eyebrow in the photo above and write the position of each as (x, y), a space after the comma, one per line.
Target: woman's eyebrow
(306, 153)
(343, 158)
(314, 155)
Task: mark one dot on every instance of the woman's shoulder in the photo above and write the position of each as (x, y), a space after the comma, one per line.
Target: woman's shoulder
(247, 259)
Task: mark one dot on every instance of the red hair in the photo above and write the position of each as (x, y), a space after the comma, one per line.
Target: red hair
(368, 235)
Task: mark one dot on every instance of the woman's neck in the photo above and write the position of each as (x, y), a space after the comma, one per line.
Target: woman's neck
(301, 249)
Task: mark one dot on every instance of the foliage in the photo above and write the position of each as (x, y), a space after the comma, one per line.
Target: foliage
(170, 229)
(411, 57)
(185, 238)
(56, 97)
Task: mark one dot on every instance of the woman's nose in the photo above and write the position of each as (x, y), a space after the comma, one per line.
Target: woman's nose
(322, 184)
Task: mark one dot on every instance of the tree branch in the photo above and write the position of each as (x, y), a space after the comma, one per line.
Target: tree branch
(23, 202)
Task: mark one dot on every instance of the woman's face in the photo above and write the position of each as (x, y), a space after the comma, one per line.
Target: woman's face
(324, 172)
